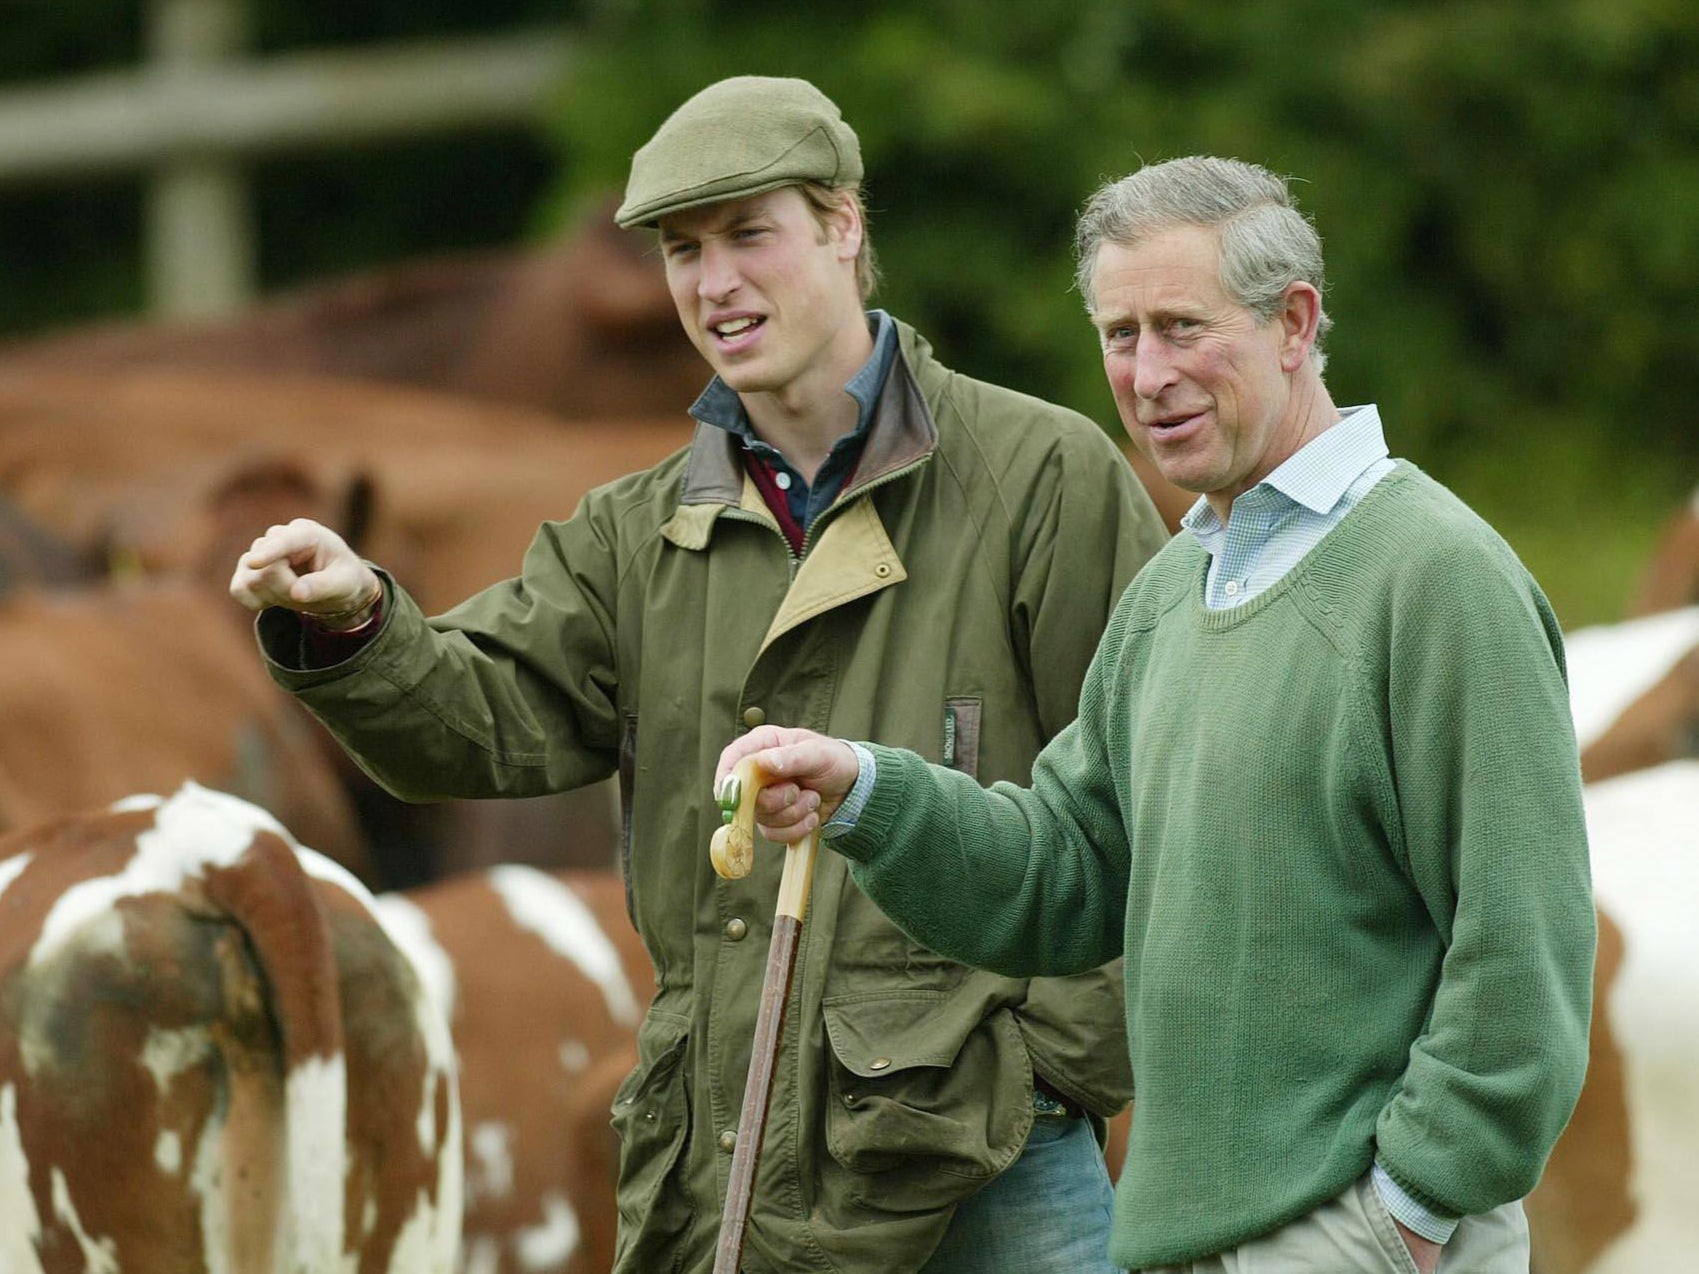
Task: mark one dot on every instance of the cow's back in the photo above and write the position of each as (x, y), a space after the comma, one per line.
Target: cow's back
(210, 1059)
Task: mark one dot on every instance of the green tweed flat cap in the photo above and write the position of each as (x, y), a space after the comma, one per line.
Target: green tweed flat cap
(741, 137)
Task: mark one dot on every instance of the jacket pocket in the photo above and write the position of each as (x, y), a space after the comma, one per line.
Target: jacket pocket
(961, 735)
(651, 1115)
(929, 1095)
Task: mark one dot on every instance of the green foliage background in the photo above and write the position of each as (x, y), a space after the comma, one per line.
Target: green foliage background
(1507, 190)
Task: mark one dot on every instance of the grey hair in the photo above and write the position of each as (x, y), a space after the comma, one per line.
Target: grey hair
(1266, 243)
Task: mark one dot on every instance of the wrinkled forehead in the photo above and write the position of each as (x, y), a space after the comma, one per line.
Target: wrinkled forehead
(1173, 267)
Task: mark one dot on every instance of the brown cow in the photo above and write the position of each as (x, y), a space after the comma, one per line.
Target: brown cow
(212, 1056)
(582, 328)
(175, 471)
(543, 981)
(112, 691)
(32, 554)
(135, 461)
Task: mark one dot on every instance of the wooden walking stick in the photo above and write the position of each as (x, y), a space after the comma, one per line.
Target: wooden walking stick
(732, 852)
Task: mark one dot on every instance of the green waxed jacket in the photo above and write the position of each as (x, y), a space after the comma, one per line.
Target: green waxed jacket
(948, 602)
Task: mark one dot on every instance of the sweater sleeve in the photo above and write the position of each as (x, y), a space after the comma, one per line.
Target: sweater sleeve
(1025, 882)
(1490, 824)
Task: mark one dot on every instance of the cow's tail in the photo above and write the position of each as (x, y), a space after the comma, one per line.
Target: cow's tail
(302, 1138)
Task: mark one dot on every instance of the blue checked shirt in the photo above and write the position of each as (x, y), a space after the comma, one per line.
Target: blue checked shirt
(1273, 525)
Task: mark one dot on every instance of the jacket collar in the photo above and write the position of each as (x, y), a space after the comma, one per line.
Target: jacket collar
(902, 433)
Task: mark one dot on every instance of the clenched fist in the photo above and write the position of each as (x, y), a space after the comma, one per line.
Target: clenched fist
(307, 568)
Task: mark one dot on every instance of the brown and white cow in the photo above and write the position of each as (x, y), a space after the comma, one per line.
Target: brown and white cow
(1617, 1194)
(543, 981)
(1634, 687)
(212, 1056)
(1671, 579)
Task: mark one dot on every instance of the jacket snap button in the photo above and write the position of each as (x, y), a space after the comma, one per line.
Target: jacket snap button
(728, 1141)
(735, 929)
(882, 570)
(753, 717)
(879, 1064)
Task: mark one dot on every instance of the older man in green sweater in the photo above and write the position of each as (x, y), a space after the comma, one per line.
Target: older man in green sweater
(1322, 794)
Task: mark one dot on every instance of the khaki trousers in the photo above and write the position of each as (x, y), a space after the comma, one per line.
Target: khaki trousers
(1354, 1234)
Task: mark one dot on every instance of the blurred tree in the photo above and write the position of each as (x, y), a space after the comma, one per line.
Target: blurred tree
(1505, 187)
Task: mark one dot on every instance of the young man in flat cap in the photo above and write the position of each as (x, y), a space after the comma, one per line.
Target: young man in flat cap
(860, 540)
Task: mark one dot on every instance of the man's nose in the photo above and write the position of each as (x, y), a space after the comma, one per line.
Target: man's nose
(719, 277)
(1153, 371)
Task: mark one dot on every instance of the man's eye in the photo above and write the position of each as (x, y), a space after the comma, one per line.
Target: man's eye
(673, 251)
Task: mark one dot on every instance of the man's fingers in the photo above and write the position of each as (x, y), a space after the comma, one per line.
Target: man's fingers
(281, 543)
(742, 746)
(790, 833)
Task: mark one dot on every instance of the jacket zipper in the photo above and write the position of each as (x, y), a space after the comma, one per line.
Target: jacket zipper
(738, 514)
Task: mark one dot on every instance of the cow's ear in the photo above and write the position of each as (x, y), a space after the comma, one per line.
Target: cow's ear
(358, 510)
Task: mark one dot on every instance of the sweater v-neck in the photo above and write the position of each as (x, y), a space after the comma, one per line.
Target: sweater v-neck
(1217, 621)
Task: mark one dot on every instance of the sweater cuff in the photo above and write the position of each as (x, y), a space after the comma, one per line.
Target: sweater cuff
(844, 818)
(1408, 1212)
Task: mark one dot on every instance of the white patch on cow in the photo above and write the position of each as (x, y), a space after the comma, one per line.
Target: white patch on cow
(410, 929)
(206, 1183)
(100, 1256)
(439, 1224)
(551, 910)
(482, 1256)
(168, 1153)
(1612, 665)
(20, 1224)
(549, 1246)
(195, 829)
(428, 1241)
(431, 967)
(132, 804)
(1644, 833)
(575, 1056)
(11, 869)
(489, 1152)
(316, 1097)
(319, 867)
(167, 1054)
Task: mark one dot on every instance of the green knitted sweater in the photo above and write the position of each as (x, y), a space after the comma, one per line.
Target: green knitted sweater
(1337, 834)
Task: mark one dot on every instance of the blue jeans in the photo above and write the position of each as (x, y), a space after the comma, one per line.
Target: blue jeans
(1048, 1213)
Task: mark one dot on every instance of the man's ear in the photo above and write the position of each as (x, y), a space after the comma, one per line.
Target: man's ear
(843, 226)
(1300, 316)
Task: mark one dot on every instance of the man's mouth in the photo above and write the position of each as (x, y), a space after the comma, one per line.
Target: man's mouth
(1168, 424)
(731, 329)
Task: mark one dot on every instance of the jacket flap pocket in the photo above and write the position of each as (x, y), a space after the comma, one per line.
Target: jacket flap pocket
(882, 1032)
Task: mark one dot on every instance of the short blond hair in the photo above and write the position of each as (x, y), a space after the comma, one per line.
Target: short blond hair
(823, 201)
